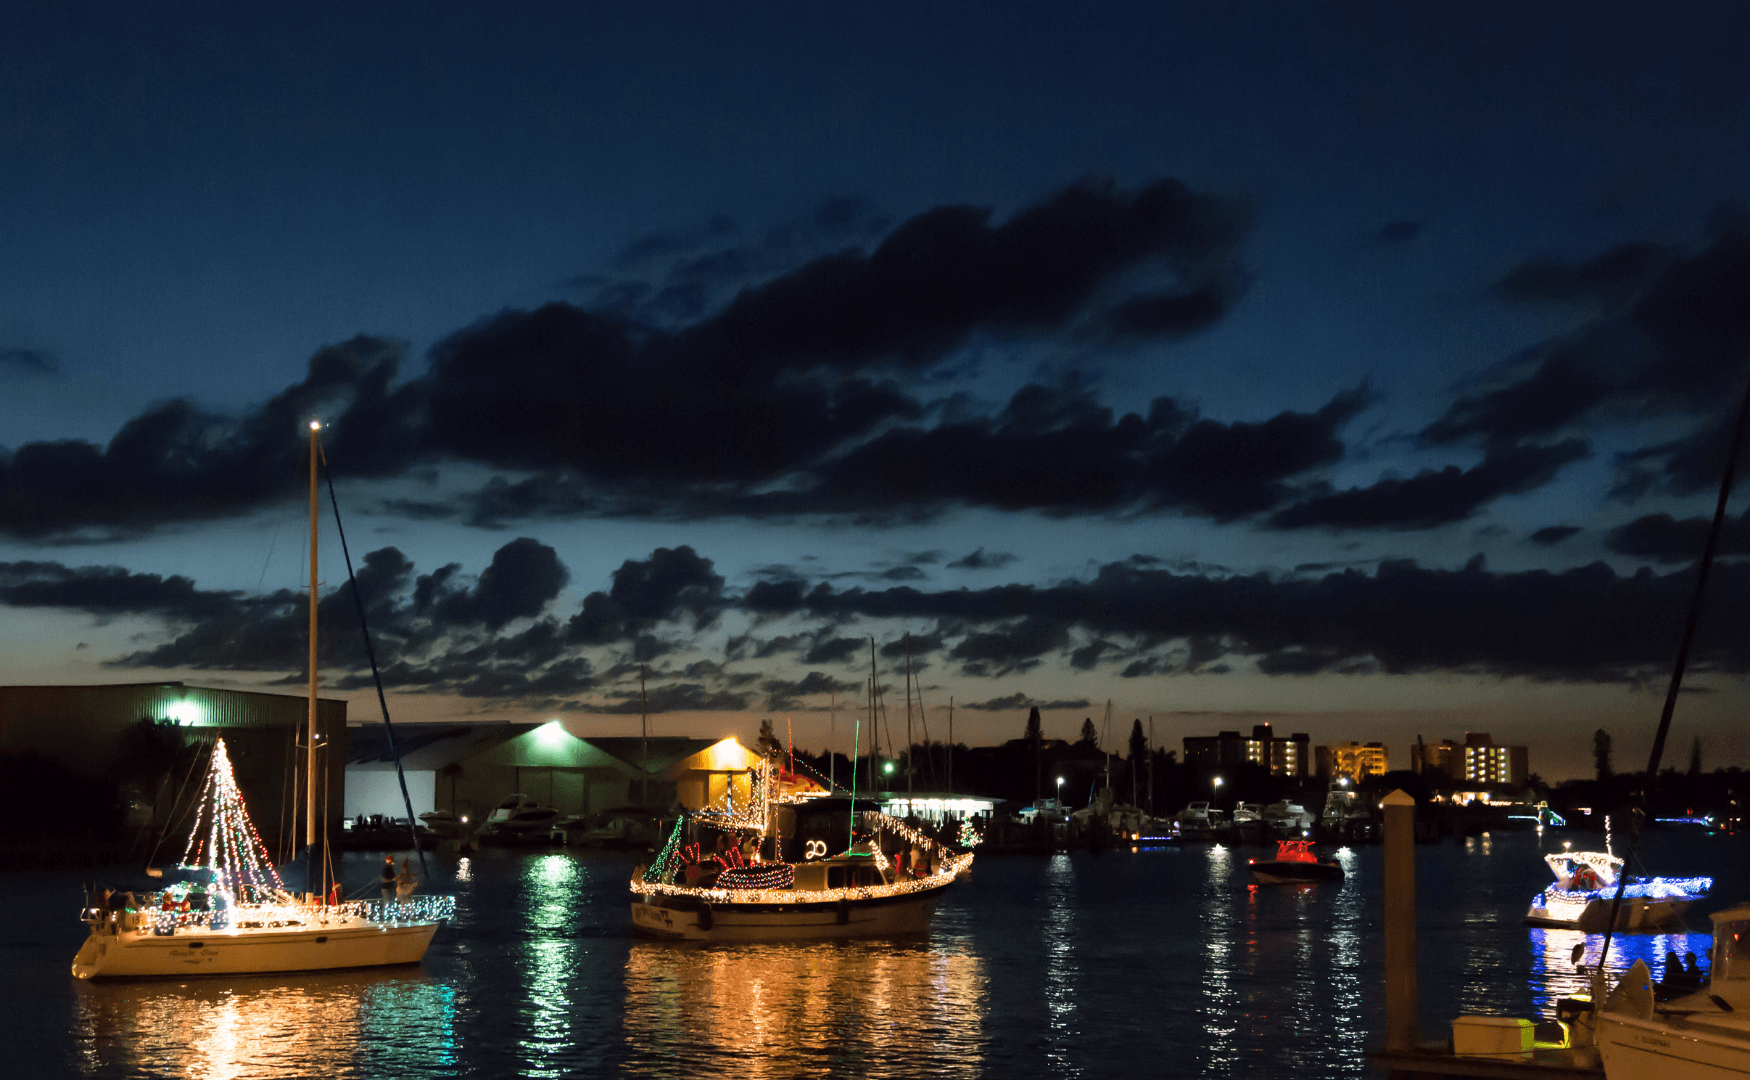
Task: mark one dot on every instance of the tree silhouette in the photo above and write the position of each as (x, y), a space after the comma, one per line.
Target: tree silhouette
(1090, 734)
(1601, 753)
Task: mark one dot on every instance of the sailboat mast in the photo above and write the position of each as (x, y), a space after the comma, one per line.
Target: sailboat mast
(310, 740)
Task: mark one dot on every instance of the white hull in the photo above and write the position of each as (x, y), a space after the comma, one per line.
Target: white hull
(1674, 1049)
(197, 951)
(688, 920)
(1637, 913)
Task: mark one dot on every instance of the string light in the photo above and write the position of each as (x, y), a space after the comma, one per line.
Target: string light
(949, 870)
(246, 893)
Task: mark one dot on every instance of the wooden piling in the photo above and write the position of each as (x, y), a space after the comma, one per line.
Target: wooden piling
(1400, 922)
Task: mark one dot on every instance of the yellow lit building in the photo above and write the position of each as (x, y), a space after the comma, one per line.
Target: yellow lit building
(1352, 759)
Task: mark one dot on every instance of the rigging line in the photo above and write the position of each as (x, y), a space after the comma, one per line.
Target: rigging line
(1688, 639)
(376, 675)
(175, 818)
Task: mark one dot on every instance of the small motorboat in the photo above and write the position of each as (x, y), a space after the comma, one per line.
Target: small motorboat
(1585, 889)
(1295, 864)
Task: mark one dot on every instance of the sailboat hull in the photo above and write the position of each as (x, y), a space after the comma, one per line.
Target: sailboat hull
(143, 954)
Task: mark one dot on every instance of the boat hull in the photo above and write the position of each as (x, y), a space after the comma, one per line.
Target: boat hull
(1295, 873)
(685, 919)
(1673, 1050)
(1638, 913)
(143, 954)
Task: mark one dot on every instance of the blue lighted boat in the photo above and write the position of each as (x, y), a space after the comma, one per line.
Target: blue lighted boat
(1585, 888)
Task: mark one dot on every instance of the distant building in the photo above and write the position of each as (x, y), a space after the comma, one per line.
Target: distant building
(467, 769)
(1282, 756)
(1476, 760)
(1352, 759)
(82, 728)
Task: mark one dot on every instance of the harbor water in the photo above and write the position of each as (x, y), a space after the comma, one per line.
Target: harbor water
(1163, 962)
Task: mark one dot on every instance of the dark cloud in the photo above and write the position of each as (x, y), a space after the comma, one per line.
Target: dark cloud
(1663, 538)
(1583, 624)
(174, 462)
(28, 361)
(1612, 275)
(1551, 535)
(980, 560)
(1432, 498)
(802, 364)
(524, 576)
(109, 591)
(1668, 340)
(1022, 702)
(1063, 452)
(782, 694)
(673, 582)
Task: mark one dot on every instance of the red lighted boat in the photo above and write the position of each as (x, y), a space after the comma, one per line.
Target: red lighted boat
(1295, 864)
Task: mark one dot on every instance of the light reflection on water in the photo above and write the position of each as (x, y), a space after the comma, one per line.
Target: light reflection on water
(776, 1011)
(1168, 962)
(377, 1024)
(550, 897)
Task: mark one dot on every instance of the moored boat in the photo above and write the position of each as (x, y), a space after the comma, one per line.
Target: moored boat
(1705, 1034)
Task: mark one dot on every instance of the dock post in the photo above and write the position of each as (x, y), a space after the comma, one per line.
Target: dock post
(1400, 922)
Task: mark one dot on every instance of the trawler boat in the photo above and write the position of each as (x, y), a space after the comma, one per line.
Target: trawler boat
(1705, 1034)
(738, 895)
(1585, 889)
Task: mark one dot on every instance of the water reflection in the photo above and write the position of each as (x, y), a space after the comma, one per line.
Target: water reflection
(1061, 969)
(1554, 974)
(551, 889)
(376, 1024)
(827, 1008)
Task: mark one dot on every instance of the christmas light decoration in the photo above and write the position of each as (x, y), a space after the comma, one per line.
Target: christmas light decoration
(969, 837)
(228, 844)
(946, 873)
(659, 870)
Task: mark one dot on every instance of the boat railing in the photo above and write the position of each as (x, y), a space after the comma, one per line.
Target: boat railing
(275, 916)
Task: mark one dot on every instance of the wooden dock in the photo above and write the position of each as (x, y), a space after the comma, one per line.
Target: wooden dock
(1436, 1060)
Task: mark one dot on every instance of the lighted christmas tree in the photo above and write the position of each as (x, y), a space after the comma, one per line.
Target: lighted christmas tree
(224, 840)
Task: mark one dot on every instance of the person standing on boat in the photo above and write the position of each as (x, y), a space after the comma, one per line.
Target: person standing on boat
(388, 884)
(405, 882)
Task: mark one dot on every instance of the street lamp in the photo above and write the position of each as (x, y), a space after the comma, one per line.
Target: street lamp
(1215, 790)
(1060, 792)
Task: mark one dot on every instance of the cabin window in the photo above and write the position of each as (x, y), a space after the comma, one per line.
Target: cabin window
(1734, 950)
(835, 877)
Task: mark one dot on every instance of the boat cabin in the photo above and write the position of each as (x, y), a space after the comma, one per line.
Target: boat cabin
(1729, 976)
(843, 872)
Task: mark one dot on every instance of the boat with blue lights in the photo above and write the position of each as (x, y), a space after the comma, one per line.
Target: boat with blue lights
(1585, 887)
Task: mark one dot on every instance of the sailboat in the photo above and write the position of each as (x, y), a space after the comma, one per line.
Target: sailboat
(232, 914)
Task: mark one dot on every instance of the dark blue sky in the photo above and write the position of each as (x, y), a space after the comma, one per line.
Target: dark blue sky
(1329, 365)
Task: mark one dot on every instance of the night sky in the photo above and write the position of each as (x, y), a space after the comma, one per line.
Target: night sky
(1361, 369)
